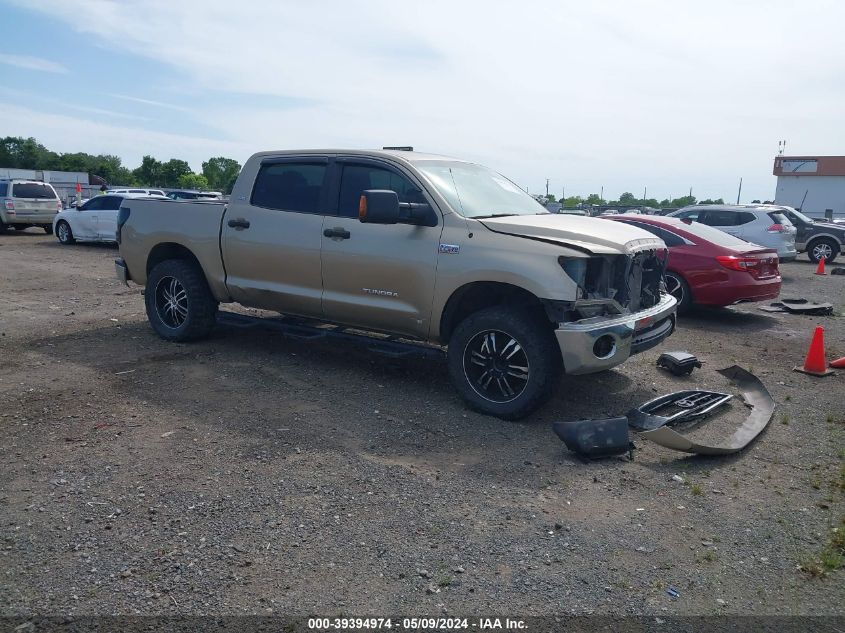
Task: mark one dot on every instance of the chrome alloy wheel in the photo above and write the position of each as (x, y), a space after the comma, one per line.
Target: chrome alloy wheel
(675, 288)
(63, 232)
(171, 302)
(822, 250)
(496, 366)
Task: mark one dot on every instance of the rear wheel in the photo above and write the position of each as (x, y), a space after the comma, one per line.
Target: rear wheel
(179, 303)
(504, 362)
(64, 234)
(3, 227)
(823, 248)
(678, 288)
(48, 228)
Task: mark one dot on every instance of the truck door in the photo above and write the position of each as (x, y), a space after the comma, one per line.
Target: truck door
(271, 239)
(378, 276)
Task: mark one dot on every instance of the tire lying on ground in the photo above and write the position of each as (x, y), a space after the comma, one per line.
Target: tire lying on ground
(179, 303)
(504, 362)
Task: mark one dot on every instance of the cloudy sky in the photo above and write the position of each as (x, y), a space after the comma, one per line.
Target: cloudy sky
(666, 95)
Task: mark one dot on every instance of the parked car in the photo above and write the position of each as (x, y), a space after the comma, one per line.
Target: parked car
(92, 221)
(708, 267)
(194, 195)
(418, 246)
(759, 224)
(146, 192)
(571, 211)
(26, 203)
(819, 239)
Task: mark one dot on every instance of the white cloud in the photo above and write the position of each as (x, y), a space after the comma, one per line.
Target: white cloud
(158, 104)
(655, 93)
(32, 63)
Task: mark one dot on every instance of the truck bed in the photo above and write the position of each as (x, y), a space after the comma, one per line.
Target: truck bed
(158, 225)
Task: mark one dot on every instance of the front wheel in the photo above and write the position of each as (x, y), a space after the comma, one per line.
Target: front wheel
(678, 288)
(504, 362)
(824, 248)
(179, 303)
(64, 233)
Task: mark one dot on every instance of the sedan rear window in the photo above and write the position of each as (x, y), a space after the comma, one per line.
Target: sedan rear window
(33, 190)
(779, 218)
(715, 236)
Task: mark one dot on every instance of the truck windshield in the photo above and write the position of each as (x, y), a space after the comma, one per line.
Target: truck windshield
(477, 192)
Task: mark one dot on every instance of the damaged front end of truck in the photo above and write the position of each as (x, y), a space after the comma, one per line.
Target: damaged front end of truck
(620, 308)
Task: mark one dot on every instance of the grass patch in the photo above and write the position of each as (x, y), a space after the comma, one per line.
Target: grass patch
(696, 489)
(831, 558)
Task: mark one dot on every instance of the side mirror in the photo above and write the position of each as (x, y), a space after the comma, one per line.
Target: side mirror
(378, 206)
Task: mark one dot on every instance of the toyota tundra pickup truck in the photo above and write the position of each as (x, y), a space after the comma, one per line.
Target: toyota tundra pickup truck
(422, 247)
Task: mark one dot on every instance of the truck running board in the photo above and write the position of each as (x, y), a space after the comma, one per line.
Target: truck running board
(301, 330)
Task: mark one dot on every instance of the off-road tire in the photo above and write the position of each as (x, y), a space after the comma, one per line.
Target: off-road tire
(197, 307)
(814, 247)
(64, 233)
(533, 333)
(679, 288)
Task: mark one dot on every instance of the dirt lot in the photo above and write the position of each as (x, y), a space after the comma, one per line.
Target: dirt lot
(250, 473)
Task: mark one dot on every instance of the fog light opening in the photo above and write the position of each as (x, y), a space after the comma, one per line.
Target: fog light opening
(604, 347)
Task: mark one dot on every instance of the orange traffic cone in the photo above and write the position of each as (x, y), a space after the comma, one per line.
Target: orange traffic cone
(815, 364)
(820, 267)
(839, 363)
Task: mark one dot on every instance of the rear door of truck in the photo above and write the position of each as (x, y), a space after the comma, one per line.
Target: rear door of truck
(271, 238)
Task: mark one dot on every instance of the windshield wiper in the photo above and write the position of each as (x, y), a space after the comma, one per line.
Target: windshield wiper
(492, 215)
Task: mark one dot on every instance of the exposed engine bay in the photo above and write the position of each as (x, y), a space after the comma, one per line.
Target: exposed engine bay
(611, 284)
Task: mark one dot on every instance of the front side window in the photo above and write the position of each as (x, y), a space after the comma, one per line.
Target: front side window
(358, 178)
(289, 187)
(477, 192)
(112, 203)
(33, 190)
(94, 204)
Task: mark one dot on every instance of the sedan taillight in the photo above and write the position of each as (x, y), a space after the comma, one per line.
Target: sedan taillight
(734, 262)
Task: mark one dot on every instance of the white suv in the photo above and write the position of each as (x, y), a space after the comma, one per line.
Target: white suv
(158, 193)
(26, 203)
(761, 225)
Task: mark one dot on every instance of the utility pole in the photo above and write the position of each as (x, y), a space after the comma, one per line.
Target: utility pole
(547, 187)
(690, 192)
(739, 192)
(645, 194)
(601, 195)
(563, 194)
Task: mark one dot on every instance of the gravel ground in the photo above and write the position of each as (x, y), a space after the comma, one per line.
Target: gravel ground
(250, 474)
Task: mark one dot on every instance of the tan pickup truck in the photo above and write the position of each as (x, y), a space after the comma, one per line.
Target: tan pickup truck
(423, 247)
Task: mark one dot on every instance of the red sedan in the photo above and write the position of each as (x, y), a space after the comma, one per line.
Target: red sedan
(708, 266)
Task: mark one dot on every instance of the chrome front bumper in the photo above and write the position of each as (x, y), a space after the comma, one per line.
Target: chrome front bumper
(620, 336)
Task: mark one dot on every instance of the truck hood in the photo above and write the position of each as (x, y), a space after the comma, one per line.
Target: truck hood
(595, 236)
(830, 226)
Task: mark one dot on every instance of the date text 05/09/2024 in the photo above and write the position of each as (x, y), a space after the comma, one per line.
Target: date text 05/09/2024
(416, 624)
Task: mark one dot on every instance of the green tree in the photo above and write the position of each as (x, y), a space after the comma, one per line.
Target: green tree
(149, 172)
(221, 173)
(572, 201)
(26, 153)
(716, 201)
(594, 198)
(627, 199)
(172, 170)
(683, 201)
(193, 181)
(550, 198)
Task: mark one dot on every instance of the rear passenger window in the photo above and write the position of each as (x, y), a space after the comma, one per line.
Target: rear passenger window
(358, 178)
(669, 238)
(3, 188)
(719, 218)
(744, 217)
(289, 187)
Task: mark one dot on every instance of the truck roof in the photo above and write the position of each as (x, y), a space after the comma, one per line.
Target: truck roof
(406, 156)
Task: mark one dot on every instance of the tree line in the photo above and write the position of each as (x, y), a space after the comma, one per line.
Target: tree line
(628, 199)
(217, 174)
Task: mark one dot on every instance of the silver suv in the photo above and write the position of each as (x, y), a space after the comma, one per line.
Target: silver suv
(761, 224)
(26, 203)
